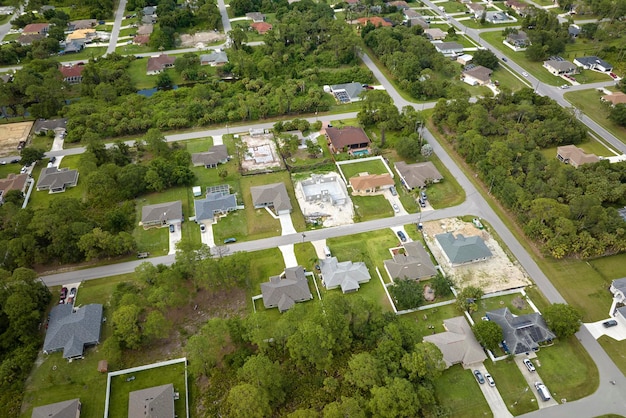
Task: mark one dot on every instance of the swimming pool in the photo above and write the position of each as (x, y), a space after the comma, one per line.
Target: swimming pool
(360, 153)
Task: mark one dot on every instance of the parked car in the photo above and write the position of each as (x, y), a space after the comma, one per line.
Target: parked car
(202, 228)
(143, 255)
(72, 292)
(23, 170)
(529, 365)
(422, 203)
(172, 228)
(396, 209)
(53, 159)
(542, 391)
(401, 236)
(423, 196)
(479, 376)
(610, 323)
(393, 191)
(490, 380)
(230, 240)
(63, 293)
(565, 86)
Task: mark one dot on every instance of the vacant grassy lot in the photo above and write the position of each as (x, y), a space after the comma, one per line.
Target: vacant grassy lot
(367, 208)
(85, 54)
(459, 394)
(589, 102)
(371, 167)
(515, 392)
(507, 79)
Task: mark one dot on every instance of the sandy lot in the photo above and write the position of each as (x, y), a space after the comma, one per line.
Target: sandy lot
(334, 215)
(10, 136)
(261, 154)
(497, 273)
(201, 39)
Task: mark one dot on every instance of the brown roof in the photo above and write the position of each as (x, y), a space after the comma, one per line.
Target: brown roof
(30, 38)
(575, 156)
(615, 98)
(145, 29)
(418, 174)
(261, 27)
(514, 4)
(374, 20)
(141, 39)
(350, 135)
(399, 4)
(35, 28)
(13, 182)
(370, 181)
(479, 73)
(160, 62)
(72, 71)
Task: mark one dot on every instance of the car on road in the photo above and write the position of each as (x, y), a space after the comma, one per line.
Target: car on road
(143, 255)
(15, 161)
(172, 228)
(610, 323)
(396, 209)
(490, 380)
(524, 73)
(401, 236)
(230, 240)
(529, 365)
(504, 59)
(479, 376)
(202, 228)
(565, 86)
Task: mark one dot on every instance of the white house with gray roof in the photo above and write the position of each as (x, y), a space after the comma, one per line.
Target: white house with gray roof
(348, 92)
(285, 290)
(214, 59)
(461, 250)
(55, 180)
(593, 63)
(162, 214)
(65, 409)
(345, 274)
(458, 343)
(154, 402)
(214, 205)
(618, 288)
(72, 330)
(272, 195)
(217, 154)
(417, 175)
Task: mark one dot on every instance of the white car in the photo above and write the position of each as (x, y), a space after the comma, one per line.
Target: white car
(529, 365)
(490, 380)
(524, 73)
(565, 86)
(396, 209)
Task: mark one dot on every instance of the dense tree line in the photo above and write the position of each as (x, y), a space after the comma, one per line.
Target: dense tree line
(570, 212)
(23, 301)
(94, 9)
(548, 36)
(413, 61)
(241, 7)
(341, 357)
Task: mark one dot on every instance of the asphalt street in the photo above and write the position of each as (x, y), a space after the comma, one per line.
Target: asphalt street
(117, 24)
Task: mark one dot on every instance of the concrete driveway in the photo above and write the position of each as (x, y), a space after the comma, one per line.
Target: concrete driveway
(395, 230)
(492, 395)
(174, 238)
(617, 332)
(207, 237)
(286, 225)
(395, 200)
(532, 377)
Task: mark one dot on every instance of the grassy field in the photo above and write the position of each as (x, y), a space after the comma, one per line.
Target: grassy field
(371, 167)
(507, 79)
(589, 102)
(517, 395)
(85, 54)
(458, 392)
(367, 208)
(452, 7)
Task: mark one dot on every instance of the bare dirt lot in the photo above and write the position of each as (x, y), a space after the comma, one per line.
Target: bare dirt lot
(333, 215)
(201, 39)
(10, 136)
(261, 153)
(492, 275)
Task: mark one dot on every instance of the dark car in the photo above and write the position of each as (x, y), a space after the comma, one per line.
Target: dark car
(422, 203)
(172, 228)
(53, 159)
(479, 376)
(401, 236)
(202, 228)
(504, 59)
(610, 323)
(230, 240)
(15, 161)
(63, 293)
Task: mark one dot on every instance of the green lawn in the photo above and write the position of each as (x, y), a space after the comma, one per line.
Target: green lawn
(515, 392)
(130, 49)
(367, 208)
(589, 102)
(507, 79)
(128, 32)
(475, 24)
(489, 304)
(371, 167)
(43, 142)
(85, 54)
(591, 146)
(452, 7)
(120, 388)
(459, 395)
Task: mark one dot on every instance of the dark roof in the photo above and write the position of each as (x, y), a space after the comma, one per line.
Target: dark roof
(353, 90)
(519, 36)
(461, 249)
(51, 178)
(216, 154)
(154, 402)
(593, 61)
(349, 135)
(285, 290)
(71, 331)
(521, 333)
(65, 409)
(43, 125)
(160, 62)
(29, 38)
(414, 264)
(275, 193)
(214, 57)
(162, 212)
(214, 203)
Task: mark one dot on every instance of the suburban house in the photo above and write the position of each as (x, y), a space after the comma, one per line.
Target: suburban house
(449, 49)
(461, 250)
(615, 98)
(377, 21)
(71, 47)
(272, 195)
(464, 59)
(214, 205)
(518, 7)
(476, 9)
(65, 409)
(593, 63)
(256, 17)
(6, 78)
(141, 39)
(367, 184)
(30, 38)
(214, 59)
(417, 175)
(347, 275)
(574, 156)
(521, 333)
(618, 288)
(573, 31)
(284, 291)
(154, 402)
(477, 76)
(261, 27)
(413, 264)
(149, 20)
(12, 182)
(82, 35)
(347, 138)
(417, 21)
(149, 11)
(145, 29)
(72, 74)
(410, 14)
(620, 313)
(435, 34)
(347, 93)
(458, 343)
(162, 214)
(518, 40)
(217, 154)
(71, 330)
(55, 180)
(36, 28)
(560, 67)
(158, 64)
(81, 24)
(45, 125)
(399, 4)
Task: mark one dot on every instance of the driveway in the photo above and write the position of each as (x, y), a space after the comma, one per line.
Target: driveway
(618, 332)
(492, 395)
(395, 230)
(532, 377)
(286, 225)
(289, 256)
(174, 238)
(395, 200)
(207, 237)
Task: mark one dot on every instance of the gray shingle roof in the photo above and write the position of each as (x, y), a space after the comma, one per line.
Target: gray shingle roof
(352, 89)
(214, 57)
(346, 274)
(285, 292)
(51, 178)
(521, 333)
(71, 331)
(271, 195)
(461, 249)
(414, 264)
(458, 343)
(214, 203)
(592, 61)
(65, 409)
(620, 284)
(215, 155)
(154, 402)
(42, 125)
(162, 212)
(418, 174)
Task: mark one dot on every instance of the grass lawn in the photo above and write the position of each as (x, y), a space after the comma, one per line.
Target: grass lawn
(459, 394)
(128, 32)
(490, 304)
(7, 169)
(515, 392)
(475, 24)
(252, 35)
(616, 350)
(11, 37)
(85, 54)
(264, 264)
(507, 79)
(447, 192)
(588, 76)
(589, 102)
(120, 388)
(42, 199)
(371, 167)
(100, 291)
(4, 19)
(461, 39)
(367, 208)
(130, 49)
(567, 370)
(43, 142)
(452, 7)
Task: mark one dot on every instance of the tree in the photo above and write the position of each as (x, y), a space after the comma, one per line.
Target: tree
(489, 334)
(618, 114)
(425, 362)
(126, 326)
(407, 294)
(313, 149)
(486, 58)
(564, 320)
(365, 371)
(396, 399)
(427, 150)
(441, 284)
(248, 401)
(29, 155)
(468, 297)
(259, 371)
(346, 407)
(164, 81)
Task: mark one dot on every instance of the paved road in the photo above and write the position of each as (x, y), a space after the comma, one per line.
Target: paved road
(117, 24)
(224, 13)
(6, 27)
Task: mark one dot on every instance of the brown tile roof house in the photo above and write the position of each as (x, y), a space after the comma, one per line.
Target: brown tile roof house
(261, 27)
(349, 137)
(574, 156)
(154, 402)
(615, 98)
(65, 409)
(72, 74)
(477, 75)
(414, 264)
(141, 39)
(418, 174)
(162, 214)
(284, 291)
(12, 182)
(272, 195)
(30, 38)
(160, 63)
(377, 21)
(55, 180)
(40, 28)
(217, 154)
(370, 183)
(518, 6)
(458, 343)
